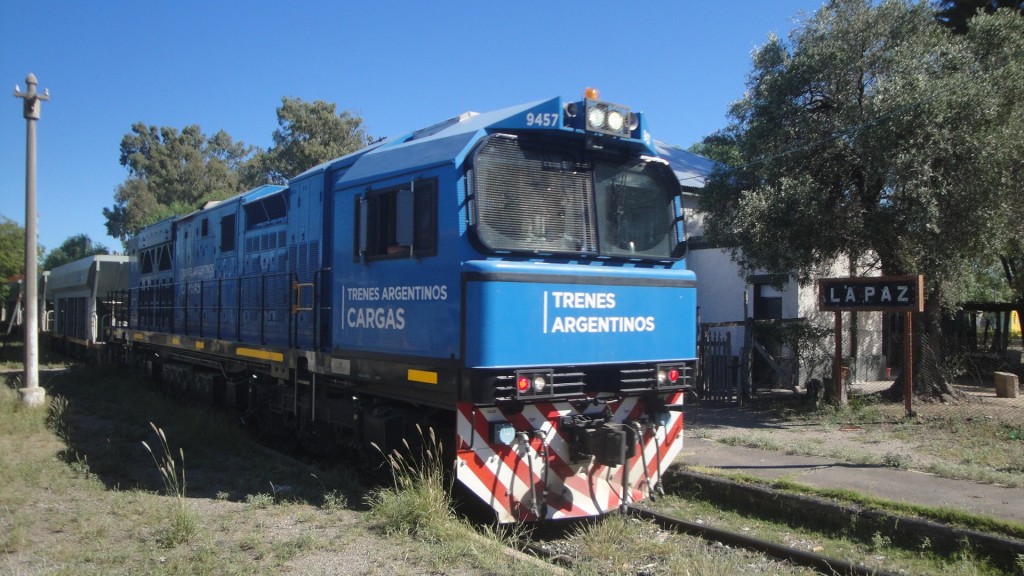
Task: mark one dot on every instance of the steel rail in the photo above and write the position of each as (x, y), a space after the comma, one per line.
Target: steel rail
(823, 564)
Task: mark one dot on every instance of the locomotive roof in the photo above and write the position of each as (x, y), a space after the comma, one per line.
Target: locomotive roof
(261, 192)
(691, 169)
(448, 141)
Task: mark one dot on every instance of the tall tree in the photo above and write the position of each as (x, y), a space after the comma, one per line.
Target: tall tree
(12, 254)
(957, 13)
(73, 248)
(172, 172)
(308, 133)
(12, 249)
(876, 132)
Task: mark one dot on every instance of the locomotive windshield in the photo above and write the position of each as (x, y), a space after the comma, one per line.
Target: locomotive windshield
(540, 200)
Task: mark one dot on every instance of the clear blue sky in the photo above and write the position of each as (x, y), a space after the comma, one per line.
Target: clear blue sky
(400, 65)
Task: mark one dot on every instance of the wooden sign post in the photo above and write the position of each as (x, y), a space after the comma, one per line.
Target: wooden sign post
(879, 294)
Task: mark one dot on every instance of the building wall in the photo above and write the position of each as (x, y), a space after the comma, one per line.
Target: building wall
(720, 298)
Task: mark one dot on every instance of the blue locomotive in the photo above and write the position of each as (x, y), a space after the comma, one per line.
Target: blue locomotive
(514, 279)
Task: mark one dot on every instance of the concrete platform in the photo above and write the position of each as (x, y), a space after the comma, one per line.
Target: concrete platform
(878, 481)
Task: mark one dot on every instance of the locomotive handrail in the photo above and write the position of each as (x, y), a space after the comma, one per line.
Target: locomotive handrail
(220, 303)
(293, 324)
(317, 295)
(238, 308)
(297, 291)
(202, 308)
(263, 296)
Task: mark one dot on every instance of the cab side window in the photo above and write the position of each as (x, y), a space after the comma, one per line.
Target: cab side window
(397, 222)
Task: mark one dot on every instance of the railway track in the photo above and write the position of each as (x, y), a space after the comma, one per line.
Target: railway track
(556, 554)
(1000, 551)
(823, 564)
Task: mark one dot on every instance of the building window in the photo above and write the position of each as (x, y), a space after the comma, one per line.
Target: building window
(767, 302)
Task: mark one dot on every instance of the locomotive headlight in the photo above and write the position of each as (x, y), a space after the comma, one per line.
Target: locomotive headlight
(608, 118)
(615, 120)
(539, 384)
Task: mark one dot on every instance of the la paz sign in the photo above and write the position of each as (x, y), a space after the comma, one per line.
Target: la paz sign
(884, 293)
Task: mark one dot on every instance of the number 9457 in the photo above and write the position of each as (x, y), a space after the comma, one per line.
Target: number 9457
(542, 119)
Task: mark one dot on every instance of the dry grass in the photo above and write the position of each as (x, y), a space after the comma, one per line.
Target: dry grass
(79, 494)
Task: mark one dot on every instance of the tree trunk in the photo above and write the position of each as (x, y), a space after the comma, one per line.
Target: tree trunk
(931, 379)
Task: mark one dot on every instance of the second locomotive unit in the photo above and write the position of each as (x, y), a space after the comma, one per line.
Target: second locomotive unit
(513, 279)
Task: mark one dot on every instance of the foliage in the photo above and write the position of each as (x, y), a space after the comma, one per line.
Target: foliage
(875, 132)
(308, 134)
(74, 248)
(956, 14)
(172, 172)
(12, 248)
(867, 134)
(987, 283)
(12, 254)
(720, 147)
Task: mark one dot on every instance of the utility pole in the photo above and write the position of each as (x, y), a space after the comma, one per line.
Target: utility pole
(32, 394)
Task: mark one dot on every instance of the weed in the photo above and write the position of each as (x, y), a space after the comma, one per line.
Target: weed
(174, 483)
(78, 464)
(335, 500)
(418, 499)
(259, 501)
(57, 418)
(896, 460)
(183, 522)
(925, 545)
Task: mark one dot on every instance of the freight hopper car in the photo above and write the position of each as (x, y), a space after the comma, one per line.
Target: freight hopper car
(82, 304)
(513, 279)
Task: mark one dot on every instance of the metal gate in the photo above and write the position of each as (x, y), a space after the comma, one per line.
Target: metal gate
(718, 373)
